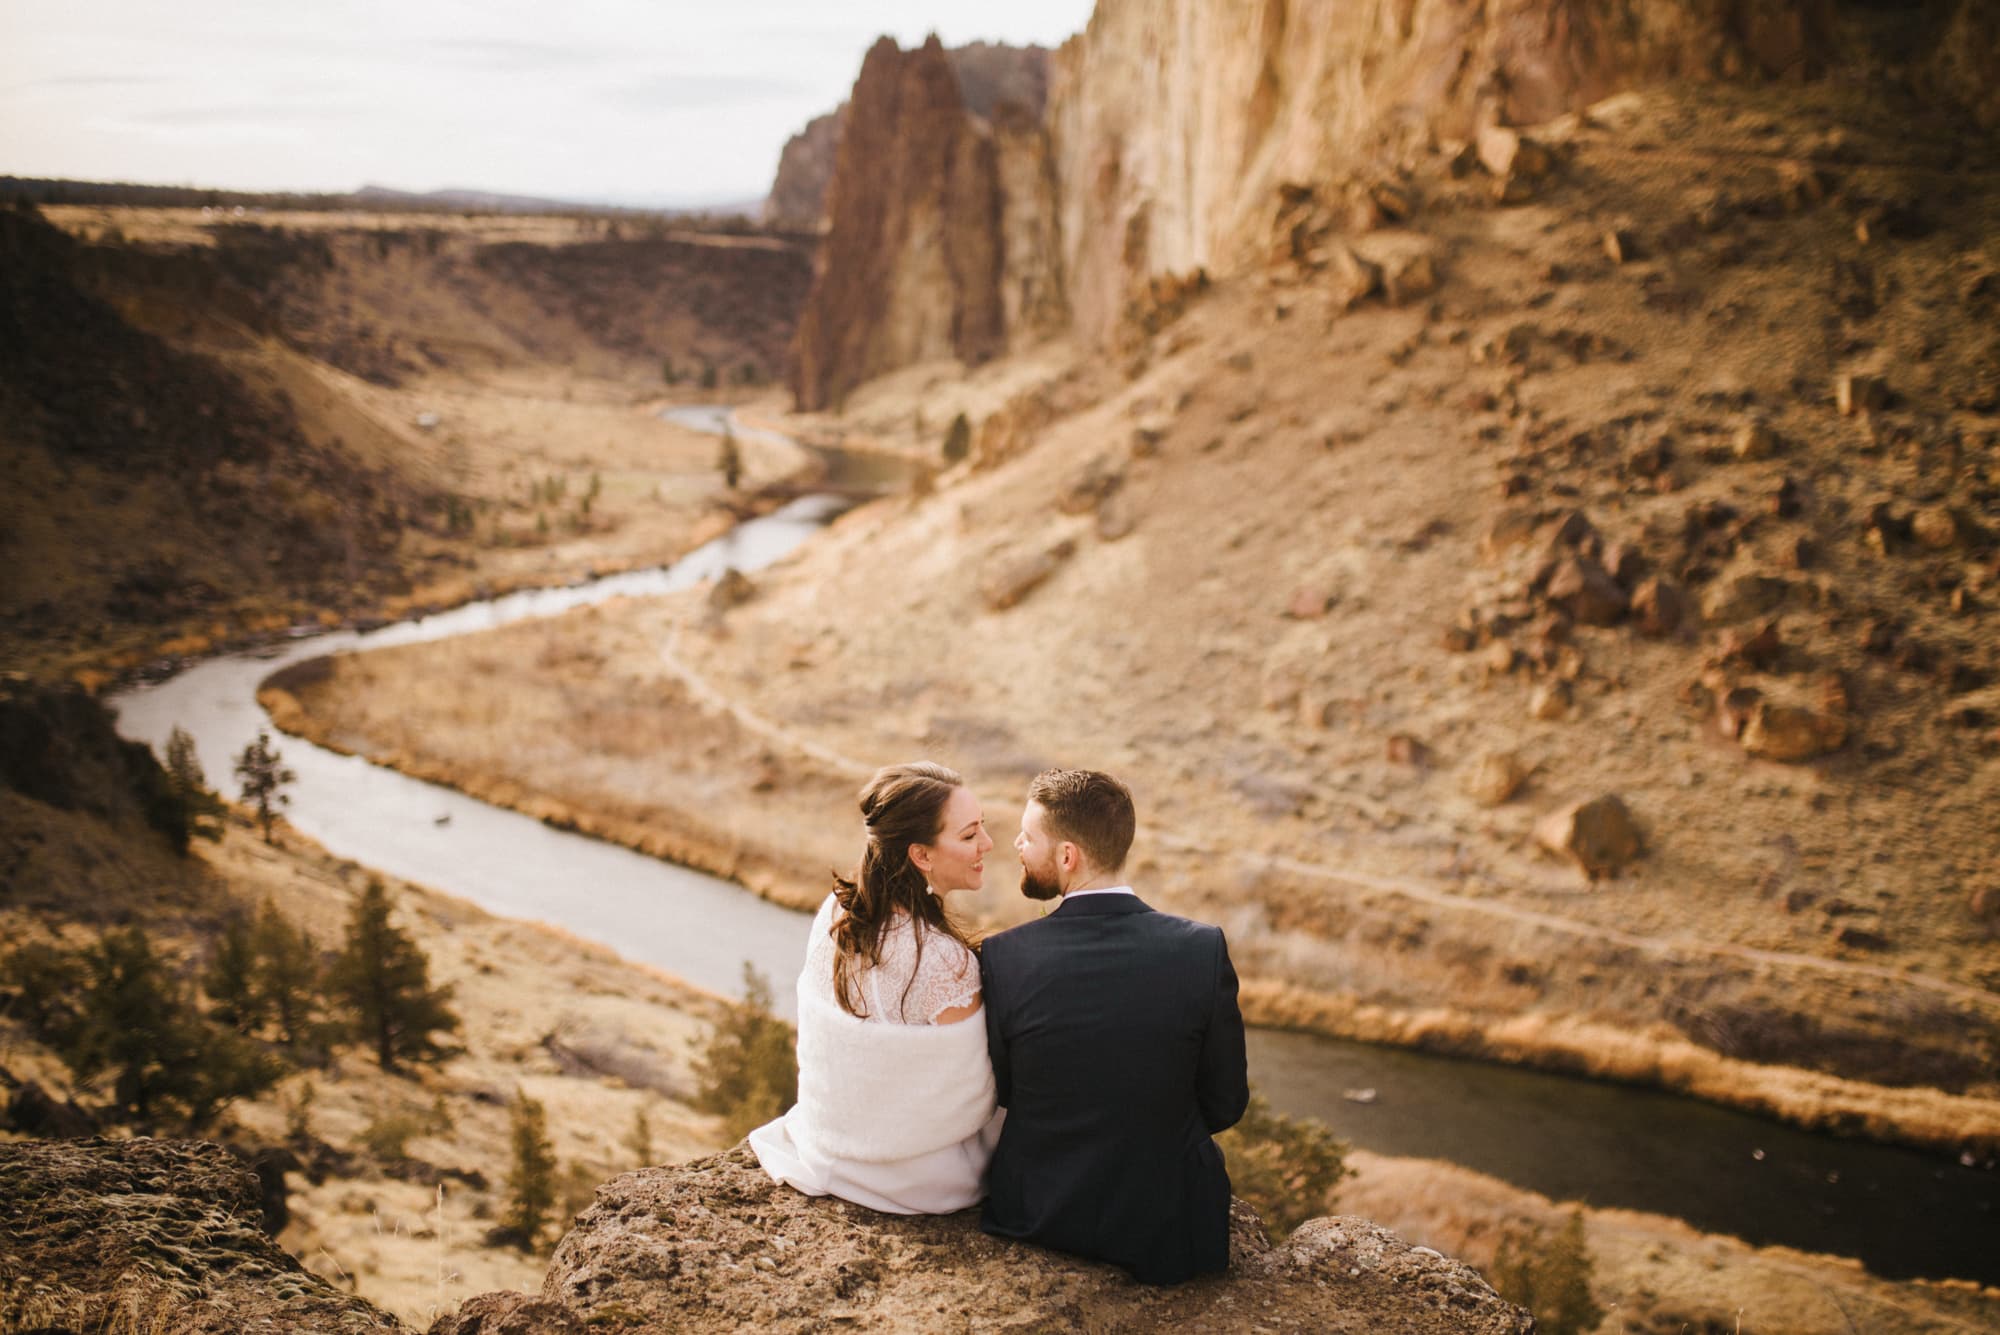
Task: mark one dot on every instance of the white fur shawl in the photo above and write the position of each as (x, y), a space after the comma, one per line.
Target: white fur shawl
(874, 1092)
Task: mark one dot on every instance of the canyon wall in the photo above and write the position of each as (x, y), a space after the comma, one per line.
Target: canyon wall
(1171, 124)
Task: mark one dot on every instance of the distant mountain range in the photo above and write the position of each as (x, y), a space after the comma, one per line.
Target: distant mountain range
(39, 190)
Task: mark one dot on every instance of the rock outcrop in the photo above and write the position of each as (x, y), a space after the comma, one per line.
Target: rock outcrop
(935, 185)
(715, 1245)
(797, 201)
(1172, 125)
(154, 1235)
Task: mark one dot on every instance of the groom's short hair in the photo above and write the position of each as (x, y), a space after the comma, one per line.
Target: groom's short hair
(1090, 809)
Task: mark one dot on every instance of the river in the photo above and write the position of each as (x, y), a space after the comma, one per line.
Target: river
(1902, 1213)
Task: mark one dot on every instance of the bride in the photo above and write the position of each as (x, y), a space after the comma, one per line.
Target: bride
(896, 1103)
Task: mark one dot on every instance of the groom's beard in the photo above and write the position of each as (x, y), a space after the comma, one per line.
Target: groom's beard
(1036, 887)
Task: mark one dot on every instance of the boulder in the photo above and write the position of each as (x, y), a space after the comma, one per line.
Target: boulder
(1014, 578)
(1404, 749)
(159, 1236)
(1597, 834)
(1116, 517)
(1354, 279)
(1549, 701)
(1409, 278)
(1745, 594)
(732, 588)
(1583, 589)
(715, 1245)
(1790, 733)
(1935, 527)
(1853, 393)
(1659, 606)
(1090, 486)
(1495, 777)
(1755, 440)
(1511, 154)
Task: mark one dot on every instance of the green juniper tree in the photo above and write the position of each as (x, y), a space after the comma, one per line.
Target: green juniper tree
(230, 979)
(749, 1072)
(531, 1173)
(382, 978)
(185, 780)
(116, 1010)
(262, 773)
(285, 976)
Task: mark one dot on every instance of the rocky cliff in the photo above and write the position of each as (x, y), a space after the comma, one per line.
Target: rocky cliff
(797, 200)
(165, 1236)
(1170, 128)
(939, 220)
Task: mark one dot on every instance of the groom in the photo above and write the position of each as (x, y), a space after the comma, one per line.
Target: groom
(1117, 1051)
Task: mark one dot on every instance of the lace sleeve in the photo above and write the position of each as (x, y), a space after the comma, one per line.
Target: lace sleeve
(917, 991)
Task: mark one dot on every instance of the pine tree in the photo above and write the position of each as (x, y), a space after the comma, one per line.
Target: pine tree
(285, 976)
(749, 1072)
(382, 978)
(202, 809)
(136, 1023)
(263, 776)
(531, 1177)
(230, 979)
(729, 458)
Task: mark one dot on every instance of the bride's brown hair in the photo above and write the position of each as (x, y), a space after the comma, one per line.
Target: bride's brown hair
(901, 805)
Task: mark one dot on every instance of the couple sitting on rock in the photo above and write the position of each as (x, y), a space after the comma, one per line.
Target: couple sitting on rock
(1111, 1049)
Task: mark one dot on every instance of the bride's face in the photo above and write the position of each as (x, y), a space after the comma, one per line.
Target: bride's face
(956, 859)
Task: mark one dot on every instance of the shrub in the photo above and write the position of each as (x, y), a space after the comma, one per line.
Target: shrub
(639, 1140)
(388, 1134)
(1549, 1276)
(957, 439)
(749, 1072)
(1287, 1167)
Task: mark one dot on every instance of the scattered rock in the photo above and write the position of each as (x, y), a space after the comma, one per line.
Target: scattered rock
(1509, 154)
(1755, 440)
(1791, 734)
(1744, 595)
(1310, 603)
(1659, 606)
(509, 1314)
(1016, 578)
(732, 588)
(1116, 517)
(1984, 905)
(1549, 701)
(1860, 938)
(1760, 648)
(1404, 749)
(1583, 589)
(1409, 279)
(1147, 435)
(1354, 279)
(1501, 658)
(1854, 393)
(1495, 777)
(1598, 834)
(1511, 529)
(1935, 527)
(1090, 486)
(1618, 245)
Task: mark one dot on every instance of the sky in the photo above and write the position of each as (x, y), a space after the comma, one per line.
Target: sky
(617, 101)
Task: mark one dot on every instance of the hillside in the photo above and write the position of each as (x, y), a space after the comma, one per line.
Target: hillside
(312, 417)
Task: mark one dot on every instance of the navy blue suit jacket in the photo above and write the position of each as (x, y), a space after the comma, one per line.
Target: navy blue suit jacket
(1118, 1052)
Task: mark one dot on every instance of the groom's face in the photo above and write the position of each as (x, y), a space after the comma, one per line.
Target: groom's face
(1040, 876)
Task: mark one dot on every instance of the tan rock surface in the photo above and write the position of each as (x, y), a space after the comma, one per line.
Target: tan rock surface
(715, 1245)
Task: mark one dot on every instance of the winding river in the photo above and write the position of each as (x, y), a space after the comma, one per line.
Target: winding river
(1902, 1213)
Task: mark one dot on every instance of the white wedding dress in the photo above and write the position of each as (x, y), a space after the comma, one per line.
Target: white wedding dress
(895, 1111)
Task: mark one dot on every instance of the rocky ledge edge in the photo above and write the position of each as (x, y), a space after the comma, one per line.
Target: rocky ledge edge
(169, 1230)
